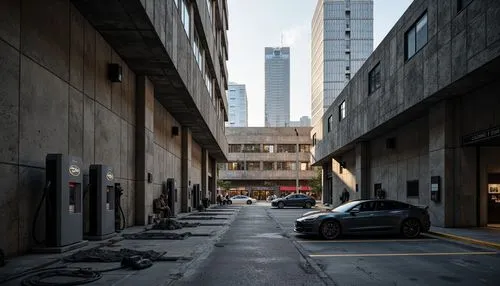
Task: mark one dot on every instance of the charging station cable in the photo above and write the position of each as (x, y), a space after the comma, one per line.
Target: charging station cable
(37, 213)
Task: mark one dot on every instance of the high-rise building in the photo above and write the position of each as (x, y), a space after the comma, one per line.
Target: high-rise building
(342, 39)
(238, 105)
(304, 121)
(277, 89)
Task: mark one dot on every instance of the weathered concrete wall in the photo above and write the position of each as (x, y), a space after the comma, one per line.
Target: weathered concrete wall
(167, 151)
(55, 98)
(458, 44)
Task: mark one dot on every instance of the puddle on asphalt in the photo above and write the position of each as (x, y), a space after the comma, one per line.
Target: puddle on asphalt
(269, 235)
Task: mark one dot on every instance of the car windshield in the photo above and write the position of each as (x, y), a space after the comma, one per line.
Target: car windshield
(289, 196)
(345, 207)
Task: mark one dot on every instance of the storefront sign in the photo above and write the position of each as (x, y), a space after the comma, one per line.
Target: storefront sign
(481, 135)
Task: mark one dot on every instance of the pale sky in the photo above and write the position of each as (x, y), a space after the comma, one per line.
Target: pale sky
(255, 24)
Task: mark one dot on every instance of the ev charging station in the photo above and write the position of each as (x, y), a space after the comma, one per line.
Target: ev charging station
(63, 199)
(101, 203)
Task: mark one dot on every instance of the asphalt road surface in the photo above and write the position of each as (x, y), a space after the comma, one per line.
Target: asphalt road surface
(260, 248)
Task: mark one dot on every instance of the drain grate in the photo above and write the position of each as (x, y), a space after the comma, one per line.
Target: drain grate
(203, 218)
(157, 235)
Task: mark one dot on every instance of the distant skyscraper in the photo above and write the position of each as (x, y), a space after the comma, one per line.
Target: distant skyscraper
(304, 121)
(342, 39)
(277, 90)
(238, 105)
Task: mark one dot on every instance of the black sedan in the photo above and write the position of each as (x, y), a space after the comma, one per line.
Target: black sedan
(366, 217)
(294, 200)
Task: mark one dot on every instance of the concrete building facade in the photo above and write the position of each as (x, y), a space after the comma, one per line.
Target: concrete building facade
(165, 119)
(237, 105)
(263, 160)
(277, 87)
(420, 119)
(341, 41)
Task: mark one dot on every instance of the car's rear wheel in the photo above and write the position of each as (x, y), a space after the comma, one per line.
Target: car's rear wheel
(249, 202)
(281, 205)
(307, 205)
(411, 228)
(330, 229)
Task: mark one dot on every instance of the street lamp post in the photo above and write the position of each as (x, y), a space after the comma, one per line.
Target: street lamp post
(297, 162)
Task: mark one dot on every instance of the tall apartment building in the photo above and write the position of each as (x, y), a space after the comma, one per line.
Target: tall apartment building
(341, 41)
(238, 105)
(277, 86)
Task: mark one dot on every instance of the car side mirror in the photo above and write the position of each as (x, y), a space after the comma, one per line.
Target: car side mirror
(354, 211)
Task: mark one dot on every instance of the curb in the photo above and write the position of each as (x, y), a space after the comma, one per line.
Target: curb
(466, 239)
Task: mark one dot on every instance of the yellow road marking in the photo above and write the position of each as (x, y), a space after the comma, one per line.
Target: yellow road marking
(401, 254)
(369, 240)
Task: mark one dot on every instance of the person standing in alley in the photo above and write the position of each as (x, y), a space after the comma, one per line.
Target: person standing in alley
(344, 197)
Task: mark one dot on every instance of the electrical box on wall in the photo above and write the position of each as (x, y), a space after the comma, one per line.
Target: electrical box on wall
(436, 188)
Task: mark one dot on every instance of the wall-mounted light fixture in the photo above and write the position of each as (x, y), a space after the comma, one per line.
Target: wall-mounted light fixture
(115, 72)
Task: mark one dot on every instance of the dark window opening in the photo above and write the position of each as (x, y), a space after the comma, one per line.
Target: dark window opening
(330, 123)
(416, 37)
(374, 79)
(342, 110)
(412, 188)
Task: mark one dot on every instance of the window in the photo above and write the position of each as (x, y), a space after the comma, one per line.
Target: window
(209, 8)
(235, 166)
(367, 206)
(208, 80)
(234, 148)
(412, 188)
(314, 139)
(304, 148)
(287, 166)
(330, 123)
(461, 4)
(197, 50)
(391, 205)
(268, 148)
(253, 166)
(251, 148)
(185, 16)
(268, 166)
(374, 79)
(342, 110)
(304, 166)
(416, 37)
(286, 148)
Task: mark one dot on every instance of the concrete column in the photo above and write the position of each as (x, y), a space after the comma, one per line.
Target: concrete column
(442, 162)
(362, 170)
(213, 184)
(204, 173)
(185, 186)
(144, 149)
(327, 184)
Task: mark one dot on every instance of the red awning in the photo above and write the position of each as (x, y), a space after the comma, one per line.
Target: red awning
(292, 188)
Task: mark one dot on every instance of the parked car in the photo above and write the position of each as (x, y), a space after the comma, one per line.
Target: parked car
(294, 200)
(366, 217)
(243, 200)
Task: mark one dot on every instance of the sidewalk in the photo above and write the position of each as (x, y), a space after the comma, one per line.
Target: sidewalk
(179, 255)
(483, 236)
